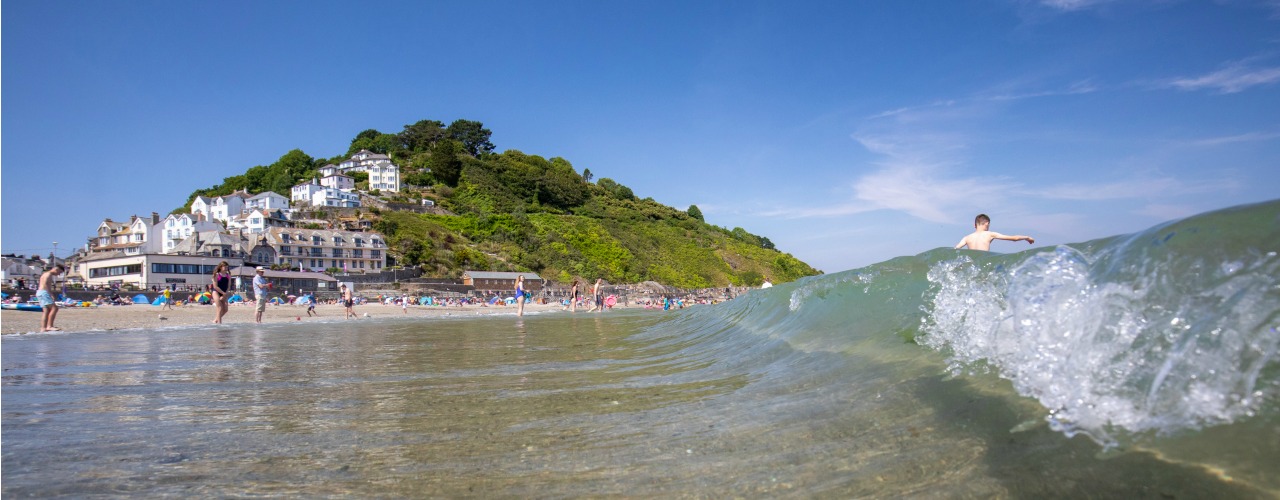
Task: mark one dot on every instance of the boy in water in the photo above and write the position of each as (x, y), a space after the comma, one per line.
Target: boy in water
(982, 235)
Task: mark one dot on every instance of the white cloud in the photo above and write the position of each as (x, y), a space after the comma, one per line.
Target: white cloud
(1234, 77)
(923, 192)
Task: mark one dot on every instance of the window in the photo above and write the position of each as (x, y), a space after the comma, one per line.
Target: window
(315, 240)
(103, 272)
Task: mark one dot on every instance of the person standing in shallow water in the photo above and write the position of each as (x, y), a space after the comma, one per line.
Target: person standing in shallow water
(520, 295)
(982, 235)
(347, 302)
(44, 295)
(221, 289)
(573, 297)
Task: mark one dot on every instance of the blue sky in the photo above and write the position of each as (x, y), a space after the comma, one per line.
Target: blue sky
(846, 132)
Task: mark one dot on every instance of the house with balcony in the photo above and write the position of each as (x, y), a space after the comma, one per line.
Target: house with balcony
(321, 249)
(315, 195)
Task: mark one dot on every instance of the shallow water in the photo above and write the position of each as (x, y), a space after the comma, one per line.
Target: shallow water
(627, 403)
(1137, 366)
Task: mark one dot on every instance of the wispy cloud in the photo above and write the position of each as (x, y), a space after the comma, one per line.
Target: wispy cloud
(1234, 77)
(1072, 5)
(1132, 188)
(1235, 139)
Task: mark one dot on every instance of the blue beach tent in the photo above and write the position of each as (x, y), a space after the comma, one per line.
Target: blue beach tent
(159, 301)
(141, 299)
(235, 298)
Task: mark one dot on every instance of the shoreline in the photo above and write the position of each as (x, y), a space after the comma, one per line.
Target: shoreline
(137, 316)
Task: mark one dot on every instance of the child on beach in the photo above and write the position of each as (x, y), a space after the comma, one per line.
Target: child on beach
(44, 295)
(981, 237)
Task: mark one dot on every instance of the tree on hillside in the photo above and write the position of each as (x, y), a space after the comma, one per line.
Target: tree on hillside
(444, 162)
(422, 135)
(586, 174)
(472, 135)
(386, 144)
(694, 212)
(370, 133)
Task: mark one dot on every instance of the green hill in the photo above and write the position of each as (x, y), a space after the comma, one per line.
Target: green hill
(514, 211)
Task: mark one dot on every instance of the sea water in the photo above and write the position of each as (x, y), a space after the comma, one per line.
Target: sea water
(1142, 365)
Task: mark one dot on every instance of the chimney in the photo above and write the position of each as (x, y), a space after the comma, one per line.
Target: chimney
(155, 218)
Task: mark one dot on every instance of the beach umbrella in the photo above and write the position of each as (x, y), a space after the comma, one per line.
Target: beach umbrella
(204, 298)
(141, 299)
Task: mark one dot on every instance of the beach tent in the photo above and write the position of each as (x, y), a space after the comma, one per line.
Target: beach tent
(159, 301)
(510, 300)
(4, 295)
(141, 299)
(426, 301)
(276, 300)
(235, 298)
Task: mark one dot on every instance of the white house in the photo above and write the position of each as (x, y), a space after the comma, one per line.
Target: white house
(306, 191)
(383, 175)
(329, 169)
(200, 206)
(316, 195)
(131, 237)
(331, 197)
(178, 227)
(224, 207)
(269, 201)
(256, 221)
(339, 182)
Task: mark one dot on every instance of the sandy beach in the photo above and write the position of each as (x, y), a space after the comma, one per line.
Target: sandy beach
(77, 319)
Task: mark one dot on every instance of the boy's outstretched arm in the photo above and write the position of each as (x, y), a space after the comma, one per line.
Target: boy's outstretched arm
(1016, 237)
(963, 242)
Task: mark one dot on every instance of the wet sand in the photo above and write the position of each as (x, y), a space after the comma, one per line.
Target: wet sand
(79, 319)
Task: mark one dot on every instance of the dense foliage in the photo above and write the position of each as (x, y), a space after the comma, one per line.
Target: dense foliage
(515, 211)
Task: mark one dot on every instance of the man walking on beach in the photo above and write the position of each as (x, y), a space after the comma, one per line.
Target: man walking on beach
(982, 236)
(44, 295)
(260, 287)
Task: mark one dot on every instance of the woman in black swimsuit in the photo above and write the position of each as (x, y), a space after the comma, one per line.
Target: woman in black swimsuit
(221, 290)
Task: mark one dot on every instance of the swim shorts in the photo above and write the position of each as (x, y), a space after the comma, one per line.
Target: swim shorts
(262, 304)
(44, 298)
